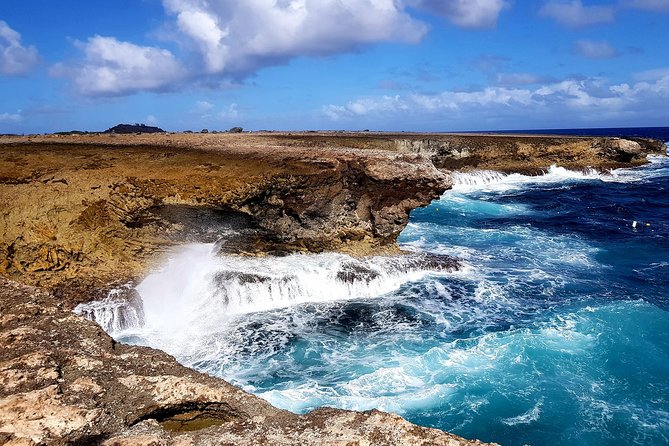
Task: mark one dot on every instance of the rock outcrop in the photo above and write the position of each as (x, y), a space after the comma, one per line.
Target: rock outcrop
(79, 216)
(64, 381)
(134, 128)
(529, 154)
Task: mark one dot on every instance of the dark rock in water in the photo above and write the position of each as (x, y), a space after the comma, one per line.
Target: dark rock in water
(236, 130)
(243, 278)
(430, 262)
(204, 131)
(134, 128)
(351, 272)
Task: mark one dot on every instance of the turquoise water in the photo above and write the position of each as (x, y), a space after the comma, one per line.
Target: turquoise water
(554, 331)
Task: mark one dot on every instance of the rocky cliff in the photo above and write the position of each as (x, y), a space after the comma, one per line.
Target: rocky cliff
(529, 154)
(79, 214)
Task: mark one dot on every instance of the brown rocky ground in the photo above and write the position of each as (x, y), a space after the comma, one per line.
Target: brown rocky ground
(79, 214)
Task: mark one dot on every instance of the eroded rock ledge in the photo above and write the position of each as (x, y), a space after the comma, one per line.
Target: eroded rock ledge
(77, 216)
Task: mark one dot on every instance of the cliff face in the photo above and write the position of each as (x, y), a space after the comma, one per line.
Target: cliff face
(76, 217)
(530, 154)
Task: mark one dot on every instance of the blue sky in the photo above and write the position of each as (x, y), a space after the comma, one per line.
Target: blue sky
(423, 65)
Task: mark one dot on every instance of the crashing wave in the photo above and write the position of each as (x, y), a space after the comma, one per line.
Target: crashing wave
(120, 310)
(197, 288)
(490, 180)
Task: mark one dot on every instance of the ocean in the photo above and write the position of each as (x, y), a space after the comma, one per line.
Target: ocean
(554, 330)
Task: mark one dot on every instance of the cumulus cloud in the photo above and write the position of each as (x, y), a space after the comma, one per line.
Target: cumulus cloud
(112, 67)
(203, 108)
(594, 49)
(238, 38)
(367, 106)
(465, 13)
(225, 41)
(575, 14)
(15, 59)
(587, 99)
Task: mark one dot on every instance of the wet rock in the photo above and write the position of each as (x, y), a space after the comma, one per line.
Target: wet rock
(121, 309)
(351, 272)
(430, 262)
(223, 277)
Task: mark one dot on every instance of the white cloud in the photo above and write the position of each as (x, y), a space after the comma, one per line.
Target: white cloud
(11, 117)
(15, 59)
(465, 13)
(366, 106)
(594, 49)
(573, 13)
(652, 75)
(152, 120)
(231, 112)
(203, 107)
(516, 79)
(237, 38)
(227, 40)
(581, 100)
(111, 67)
(207, 111)
(652, 5)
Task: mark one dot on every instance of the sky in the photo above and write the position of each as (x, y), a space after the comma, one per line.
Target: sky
(385, 65)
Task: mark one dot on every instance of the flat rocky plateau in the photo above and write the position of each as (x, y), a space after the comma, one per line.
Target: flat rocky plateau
(80, 215)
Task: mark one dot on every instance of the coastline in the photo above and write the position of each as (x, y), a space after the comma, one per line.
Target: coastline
(398, 168)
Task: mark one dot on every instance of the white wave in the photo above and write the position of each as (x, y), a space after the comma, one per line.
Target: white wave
(492, 181)
(197, 290)
(114, 313)
(526, 418)
(370, 391)
(478, 178)
(430, 379)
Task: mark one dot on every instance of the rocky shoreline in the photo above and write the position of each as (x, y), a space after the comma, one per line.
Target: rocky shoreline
(82, 214)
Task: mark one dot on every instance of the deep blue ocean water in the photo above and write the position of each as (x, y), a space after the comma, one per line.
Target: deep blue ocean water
(661, 133)
(554, 332)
